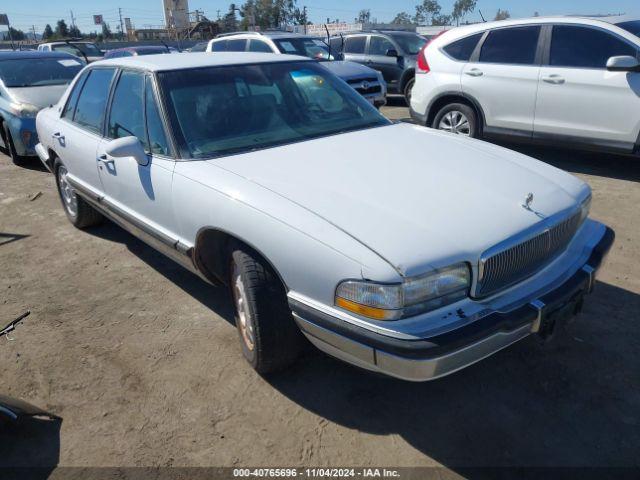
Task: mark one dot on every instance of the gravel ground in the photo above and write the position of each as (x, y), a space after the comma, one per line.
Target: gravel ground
(140, 359)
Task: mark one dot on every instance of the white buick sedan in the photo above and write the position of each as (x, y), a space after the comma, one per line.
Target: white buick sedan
(393, 247)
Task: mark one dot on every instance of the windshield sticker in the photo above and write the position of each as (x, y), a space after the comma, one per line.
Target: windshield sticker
(288, 46)
(69, 63)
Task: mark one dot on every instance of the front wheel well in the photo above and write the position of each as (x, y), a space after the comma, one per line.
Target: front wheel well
(448, 99)
(212, 252)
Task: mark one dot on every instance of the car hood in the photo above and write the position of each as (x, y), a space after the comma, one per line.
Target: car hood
(344, 69)
(39, 96)
(417, 197)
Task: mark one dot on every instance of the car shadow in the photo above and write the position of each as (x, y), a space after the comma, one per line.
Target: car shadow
(29, 448)
(572, 402)
(609, 165)
(214, 298)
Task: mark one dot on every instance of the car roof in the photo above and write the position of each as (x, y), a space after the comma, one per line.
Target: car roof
(20, 54)
(162, 62)
(140, 48)
(256, 35)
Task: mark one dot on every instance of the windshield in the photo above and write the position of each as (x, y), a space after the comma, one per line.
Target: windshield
(217, 111)
(410, 44)
(152, 51)
(38, 72)
(306, 47)
(633, 27)
(77, 49)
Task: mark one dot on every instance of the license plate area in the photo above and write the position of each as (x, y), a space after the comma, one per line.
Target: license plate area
(558, 314)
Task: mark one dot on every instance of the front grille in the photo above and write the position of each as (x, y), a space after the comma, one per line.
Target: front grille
(372, 84)
(369, 91)
(524, 259)
(355, 81)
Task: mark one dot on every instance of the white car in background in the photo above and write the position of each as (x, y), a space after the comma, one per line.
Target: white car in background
(566, 80)
(269, 174)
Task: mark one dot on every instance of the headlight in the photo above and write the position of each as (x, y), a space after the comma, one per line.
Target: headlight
(400, 300)
(585, 207)
(24, 110)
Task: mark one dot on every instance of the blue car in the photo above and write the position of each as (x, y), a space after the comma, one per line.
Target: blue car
(30, 81)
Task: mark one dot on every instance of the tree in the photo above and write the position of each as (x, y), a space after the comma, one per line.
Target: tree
(269, 13)
(502, 15)
(106, 31)
(48, 32)
(364, 16)
(403, 18)
(461, 8)
(62, 31)
(536, 14)
(441, 20)
(15, 34)
(74, 32)
(229, 22)
(426, 11)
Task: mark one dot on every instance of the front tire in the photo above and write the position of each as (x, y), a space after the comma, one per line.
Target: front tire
(11, 148)
(78, 211)
(457, 118)
(269, 337)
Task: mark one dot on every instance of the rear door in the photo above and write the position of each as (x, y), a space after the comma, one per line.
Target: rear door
(502, 76)
(354, 49)
(80, 128)
(578, 98)
(378, 59)
(142, 192)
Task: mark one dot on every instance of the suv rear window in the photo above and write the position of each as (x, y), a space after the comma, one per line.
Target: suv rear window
(516, 46)
(354, 44)
(463, 48)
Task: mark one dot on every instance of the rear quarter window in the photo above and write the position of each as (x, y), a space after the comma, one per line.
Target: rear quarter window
(463, 49)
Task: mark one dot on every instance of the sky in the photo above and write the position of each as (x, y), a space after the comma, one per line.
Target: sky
(145, 13)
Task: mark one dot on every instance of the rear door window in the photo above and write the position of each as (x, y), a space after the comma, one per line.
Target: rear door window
(463, 48)
(259, 46)
(355, 44)
(220, 46)
(380, 45)
(515, 46)
(236, 45)
(89, 112)
(582, 47)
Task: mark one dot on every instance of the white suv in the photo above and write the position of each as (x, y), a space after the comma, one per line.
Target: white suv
(564, 79)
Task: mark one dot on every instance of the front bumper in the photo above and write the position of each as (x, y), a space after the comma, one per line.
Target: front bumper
(24, 135)
(445, 353)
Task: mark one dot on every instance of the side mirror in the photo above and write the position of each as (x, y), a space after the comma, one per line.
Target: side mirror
(392, 52)
(624, 63)
(127, 147)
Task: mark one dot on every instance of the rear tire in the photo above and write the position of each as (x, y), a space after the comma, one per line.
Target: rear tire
(407, 91)
(269, 336)
(459, 119)
(78, 211)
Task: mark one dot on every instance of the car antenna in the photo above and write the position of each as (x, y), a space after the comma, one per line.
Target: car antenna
(328, 40)
(482, 16)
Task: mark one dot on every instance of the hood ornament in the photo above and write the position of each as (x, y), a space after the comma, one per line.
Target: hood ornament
(528, 201)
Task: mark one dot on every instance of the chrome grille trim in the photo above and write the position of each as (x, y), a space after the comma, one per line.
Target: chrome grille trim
(525, 254)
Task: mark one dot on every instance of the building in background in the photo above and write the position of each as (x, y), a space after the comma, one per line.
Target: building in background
(176, 14)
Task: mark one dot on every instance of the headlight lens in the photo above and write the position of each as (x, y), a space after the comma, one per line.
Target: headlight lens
(412, 297)
(585, 208)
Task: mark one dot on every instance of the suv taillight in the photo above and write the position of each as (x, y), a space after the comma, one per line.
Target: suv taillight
(423, 65)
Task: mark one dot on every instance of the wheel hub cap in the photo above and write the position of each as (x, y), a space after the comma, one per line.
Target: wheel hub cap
(69, 197)
(242, 309)
(455, 122)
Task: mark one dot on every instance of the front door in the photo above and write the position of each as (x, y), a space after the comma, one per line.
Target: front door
(141, 193)
(578, 98)
(378, 59)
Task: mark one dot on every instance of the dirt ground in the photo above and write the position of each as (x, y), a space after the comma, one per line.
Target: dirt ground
(140, 359)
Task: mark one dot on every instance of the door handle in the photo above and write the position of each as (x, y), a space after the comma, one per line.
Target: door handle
(104, 159)
(553, 79)
(474, 72)
(57, 136)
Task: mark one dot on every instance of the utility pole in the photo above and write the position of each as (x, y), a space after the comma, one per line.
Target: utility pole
(73, 19)
(121, 27)
(304, 18)
(33, 29)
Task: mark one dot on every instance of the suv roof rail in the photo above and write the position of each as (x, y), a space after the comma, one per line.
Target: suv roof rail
(230, 34)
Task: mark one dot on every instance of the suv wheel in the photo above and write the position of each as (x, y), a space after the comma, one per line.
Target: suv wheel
(79, 212)
(269, 337)
(407, 90)
(457, 118)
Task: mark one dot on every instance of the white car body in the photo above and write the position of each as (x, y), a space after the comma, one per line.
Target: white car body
(354, 208)
(542, 100)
